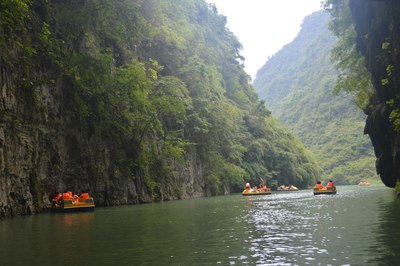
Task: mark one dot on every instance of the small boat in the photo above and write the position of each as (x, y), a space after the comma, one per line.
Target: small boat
(287, 189)
(325, 191)
(256, 192)
(364, 183)
(68, 205)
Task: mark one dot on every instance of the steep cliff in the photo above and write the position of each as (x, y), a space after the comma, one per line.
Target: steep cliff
(378, 38)
(136, 101)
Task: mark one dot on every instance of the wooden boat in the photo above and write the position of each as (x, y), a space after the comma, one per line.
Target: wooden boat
(69, 205)
(256, 192)
(325, 191)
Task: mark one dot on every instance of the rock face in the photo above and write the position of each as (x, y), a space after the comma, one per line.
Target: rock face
(135, 101)
(51, 150)
(378, 39)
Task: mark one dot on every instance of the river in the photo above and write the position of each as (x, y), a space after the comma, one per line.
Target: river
(358, 226)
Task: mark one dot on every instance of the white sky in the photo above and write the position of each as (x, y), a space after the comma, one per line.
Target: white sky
(264, 26)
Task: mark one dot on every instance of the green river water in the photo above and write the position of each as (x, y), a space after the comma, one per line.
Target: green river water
(358, 226)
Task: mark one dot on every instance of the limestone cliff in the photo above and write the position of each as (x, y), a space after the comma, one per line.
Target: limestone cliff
(378, 39)
(51, 148)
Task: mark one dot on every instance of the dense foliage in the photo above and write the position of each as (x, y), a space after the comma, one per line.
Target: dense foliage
(159, 80)
(297, 85)
(353, 77)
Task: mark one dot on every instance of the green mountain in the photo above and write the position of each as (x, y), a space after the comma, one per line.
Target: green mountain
(296, 84)
(136, 101)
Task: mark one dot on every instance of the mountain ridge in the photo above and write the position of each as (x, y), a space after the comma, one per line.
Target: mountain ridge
(296, 84)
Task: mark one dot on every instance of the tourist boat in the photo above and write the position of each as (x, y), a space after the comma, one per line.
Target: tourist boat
(325, 191)
(364, 183)
(256, 192)
(287, 189)
(68, 205)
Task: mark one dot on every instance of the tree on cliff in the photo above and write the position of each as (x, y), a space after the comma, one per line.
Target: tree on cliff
(137, 100)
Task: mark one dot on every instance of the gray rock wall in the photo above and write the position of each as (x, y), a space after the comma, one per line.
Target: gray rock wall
(378, 39)
(46, 147)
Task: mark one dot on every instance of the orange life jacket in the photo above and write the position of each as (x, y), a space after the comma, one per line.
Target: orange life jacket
(66, 196)
(85, 195)
(319, 186)
(330, 184)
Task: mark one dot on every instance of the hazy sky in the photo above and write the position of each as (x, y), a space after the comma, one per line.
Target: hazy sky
(264, 26)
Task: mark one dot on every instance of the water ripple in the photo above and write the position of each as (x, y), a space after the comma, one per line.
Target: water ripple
(302, 229)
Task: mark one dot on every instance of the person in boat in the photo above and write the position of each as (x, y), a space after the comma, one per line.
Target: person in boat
(263, 186)
(319, 185)
(284, 187)
(330, 184)
(66, 195)
(55, 201)
(85, 195)
(261, 182)
(75, 198)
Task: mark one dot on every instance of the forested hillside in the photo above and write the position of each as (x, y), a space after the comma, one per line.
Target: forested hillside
(135, 101)
(297, 85)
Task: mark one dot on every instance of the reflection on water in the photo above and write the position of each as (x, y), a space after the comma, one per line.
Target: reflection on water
(355, 227)
(387, 245)
(285, 231)
(343, 229)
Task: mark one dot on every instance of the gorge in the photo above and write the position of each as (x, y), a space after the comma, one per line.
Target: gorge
(133, 101)
(141, 101)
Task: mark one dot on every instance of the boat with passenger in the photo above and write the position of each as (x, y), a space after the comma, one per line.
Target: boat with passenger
(364, 183)
(256, 191)
(289, 188)
(325, 191)
(319, 189)
(65, 202)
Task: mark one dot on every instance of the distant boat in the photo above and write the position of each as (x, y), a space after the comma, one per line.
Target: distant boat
(256, 192)
(68, 205)
(364, 183)
(287, 189)
(325, 191)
